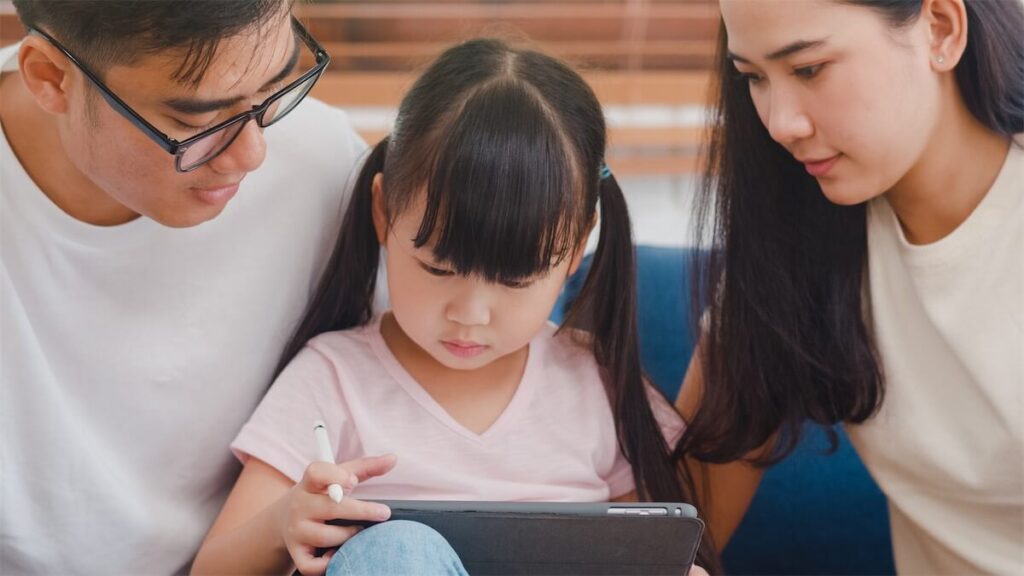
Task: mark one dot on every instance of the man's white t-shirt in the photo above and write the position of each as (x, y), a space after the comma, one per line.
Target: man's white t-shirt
(947, 447)
(133, 354)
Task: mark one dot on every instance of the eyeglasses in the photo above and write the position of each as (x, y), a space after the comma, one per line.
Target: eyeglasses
(197, 150)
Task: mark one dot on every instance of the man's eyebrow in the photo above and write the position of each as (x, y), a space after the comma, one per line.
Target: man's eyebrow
(785, 51)
(194, 106)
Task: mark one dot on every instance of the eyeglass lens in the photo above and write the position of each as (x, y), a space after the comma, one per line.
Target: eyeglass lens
(205, 149)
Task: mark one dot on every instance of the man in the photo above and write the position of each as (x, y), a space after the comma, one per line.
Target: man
(157, 249)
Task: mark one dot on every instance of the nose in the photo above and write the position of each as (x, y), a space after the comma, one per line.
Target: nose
(470, 306)
(786, 119)
(245, 154)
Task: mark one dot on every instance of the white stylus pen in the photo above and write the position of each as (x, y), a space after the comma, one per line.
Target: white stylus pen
(326, 454)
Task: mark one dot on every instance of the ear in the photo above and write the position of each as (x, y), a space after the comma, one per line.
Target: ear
(581, 250)
(947, 32)
(46, 73)
(380, 222)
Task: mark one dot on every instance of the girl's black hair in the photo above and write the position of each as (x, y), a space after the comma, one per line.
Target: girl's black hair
(785, 339)
(508, 145)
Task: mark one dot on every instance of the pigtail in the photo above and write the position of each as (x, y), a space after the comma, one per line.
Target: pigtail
(607, 308)
(344, 296)
(607, 303)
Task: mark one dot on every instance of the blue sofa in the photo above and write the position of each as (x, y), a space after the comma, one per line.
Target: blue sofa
(814, 513)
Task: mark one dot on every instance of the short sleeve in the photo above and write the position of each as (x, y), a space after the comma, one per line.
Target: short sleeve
(280, 431)
(671, 423)
(620, 479)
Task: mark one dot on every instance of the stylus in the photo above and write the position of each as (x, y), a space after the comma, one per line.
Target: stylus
(326, 454)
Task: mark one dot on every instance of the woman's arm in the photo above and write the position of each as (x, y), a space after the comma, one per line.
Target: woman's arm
(724, 490)
(269, 525)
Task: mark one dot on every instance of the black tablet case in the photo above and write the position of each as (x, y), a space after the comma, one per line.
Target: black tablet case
(560, 544)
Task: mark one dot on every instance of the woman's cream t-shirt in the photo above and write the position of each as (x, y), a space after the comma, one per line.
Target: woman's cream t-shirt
(947, 447)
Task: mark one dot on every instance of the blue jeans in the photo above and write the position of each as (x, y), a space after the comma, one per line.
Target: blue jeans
(395, 548)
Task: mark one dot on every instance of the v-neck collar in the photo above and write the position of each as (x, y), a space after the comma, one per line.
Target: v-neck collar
(427, 402)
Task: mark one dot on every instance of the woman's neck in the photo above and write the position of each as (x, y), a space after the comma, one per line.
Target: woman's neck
(952, 176)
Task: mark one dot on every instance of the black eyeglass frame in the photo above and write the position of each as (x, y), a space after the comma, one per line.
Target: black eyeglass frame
(176, 148)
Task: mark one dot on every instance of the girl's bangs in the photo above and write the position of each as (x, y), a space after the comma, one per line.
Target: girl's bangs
(503, 200)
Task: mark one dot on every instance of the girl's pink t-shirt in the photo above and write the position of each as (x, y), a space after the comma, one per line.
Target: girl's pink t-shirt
(555, 441)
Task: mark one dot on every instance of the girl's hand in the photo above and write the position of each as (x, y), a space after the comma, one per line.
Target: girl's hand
(307, 508)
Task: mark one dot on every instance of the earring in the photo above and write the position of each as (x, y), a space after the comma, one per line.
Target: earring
(940, 58)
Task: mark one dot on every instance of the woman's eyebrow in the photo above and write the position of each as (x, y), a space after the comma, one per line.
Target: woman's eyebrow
(785, 51)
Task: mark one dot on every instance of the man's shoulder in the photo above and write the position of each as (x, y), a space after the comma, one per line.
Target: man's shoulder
(316, 145)
(8, 57)
(316, 125)
(318, 115)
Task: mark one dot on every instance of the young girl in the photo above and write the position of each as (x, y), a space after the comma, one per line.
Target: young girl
(866, 185)
(483, 198)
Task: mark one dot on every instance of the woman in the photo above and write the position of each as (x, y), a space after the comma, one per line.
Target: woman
(865, 196)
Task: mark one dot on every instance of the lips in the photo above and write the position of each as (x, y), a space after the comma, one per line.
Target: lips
(819, 167)
(218, 195)
(463, 349)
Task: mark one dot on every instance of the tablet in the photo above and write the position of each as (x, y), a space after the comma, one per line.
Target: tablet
(562, 538)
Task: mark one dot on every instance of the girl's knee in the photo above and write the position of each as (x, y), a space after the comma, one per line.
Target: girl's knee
(396, 547)
(402, 535)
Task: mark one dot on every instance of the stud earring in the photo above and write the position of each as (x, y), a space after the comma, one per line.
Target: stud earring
(940, 58)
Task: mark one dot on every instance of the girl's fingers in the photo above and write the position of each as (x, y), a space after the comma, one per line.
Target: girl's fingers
(352, 509)
(319, 535)
(314, 537)
(329, 554)
(366, 468)
(319, 507)
(308, 564)
(320, 475)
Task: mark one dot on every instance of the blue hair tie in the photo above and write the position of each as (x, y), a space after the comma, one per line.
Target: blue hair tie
(606, 172)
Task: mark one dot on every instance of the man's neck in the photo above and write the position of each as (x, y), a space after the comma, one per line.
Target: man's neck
(34, 136)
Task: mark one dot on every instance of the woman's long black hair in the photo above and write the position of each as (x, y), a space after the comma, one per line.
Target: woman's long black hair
(508, 145)
(785, 339)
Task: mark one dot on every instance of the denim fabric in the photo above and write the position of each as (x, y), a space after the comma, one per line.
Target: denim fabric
(396, 548)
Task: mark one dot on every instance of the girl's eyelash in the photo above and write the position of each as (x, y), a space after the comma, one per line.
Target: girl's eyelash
(518, 284)
(442, 273)
(437, 271)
